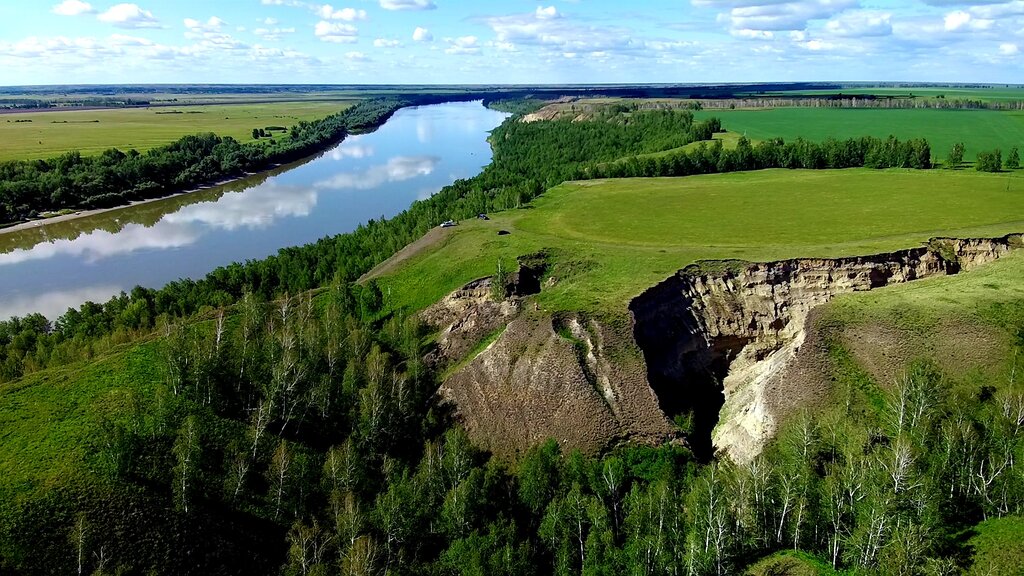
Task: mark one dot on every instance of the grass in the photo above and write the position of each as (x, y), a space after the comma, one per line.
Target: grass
(993, 94)
(49, 418)
(979, 130)
(791, 563)
(610, 240)
(50, 134)
(998, 546)
(729, 141)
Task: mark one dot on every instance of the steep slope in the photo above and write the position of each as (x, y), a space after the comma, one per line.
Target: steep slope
(721, 343)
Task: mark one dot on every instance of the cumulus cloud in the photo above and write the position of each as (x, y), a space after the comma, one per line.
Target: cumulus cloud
(548, 28)
(1009, 49)
(336, 33)
(775, 15)
(407, 4)
(214, 24)
(129, 16)
(962, 21)
(328, 12)
(861, 24)
(386, 43)
(462, 45)
(422, 35)
(73, 8)
(273, 34)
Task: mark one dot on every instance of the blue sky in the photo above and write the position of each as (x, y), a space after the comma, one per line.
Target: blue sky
(509, 41)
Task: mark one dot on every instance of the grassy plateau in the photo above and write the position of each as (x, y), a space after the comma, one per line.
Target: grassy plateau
(34, 135)
(610, 240)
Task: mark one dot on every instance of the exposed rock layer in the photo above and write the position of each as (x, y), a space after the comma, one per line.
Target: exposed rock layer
(720, 342)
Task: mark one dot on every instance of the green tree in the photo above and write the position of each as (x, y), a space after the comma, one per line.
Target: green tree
(1013, 160)
(989, 161)
(186, 470)
(255, 133)
(955, 156)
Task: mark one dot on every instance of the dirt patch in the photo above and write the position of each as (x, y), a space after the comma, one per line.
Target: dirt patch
(885, 351)
(432, 238)
(565, 378)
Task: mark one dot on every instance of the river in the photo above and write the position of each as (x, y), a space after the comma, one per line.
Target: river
(51, 267)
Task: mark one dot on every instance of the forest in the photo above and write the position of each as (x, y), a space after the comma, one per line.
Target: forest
(294, 423)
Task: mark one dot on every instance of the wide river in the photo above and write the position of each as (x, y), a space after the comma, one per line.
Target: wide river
(51, 267)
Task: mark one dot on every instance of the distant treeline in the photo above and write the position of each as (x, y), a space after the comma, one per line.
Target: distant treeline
(843, 101)
(528, 158)
(866, 152)
(116, 177)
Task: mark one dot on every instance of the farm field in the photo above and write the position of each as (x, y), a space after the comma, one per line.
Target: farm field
(993, 94)
(612, 239)
(36, 135)
(979, 130)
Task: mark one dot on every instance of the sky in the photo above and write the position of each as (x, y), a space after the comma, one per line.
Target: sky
(509, 41)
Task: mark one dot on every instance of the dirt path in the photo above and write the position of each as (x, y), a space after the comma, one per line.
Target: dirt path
(430, 239)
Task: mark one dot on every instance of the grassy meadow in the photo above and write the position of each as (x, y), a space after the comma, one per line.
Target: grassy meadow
(979, 130)
(611, 239)
(35, 135)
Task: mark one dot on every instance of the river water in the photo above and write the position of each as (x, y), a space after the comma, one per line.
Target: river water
(52, 267)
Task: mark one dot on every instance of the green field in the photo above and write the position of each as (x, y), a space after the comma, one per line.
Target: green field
(93, 131)
(612, 239)
(979, 130)
(993, 94)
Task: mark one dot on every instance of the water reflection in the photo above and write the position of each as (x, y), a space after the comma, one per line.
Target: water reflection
(53, 304)
(397, 169)
(50, 268)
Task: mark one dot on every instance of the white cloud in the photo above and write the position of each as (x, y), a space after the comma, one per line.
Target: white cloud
(129, 16)
(407, 4)
(775, 15)
(961, 20)
(328, 12)
(73, 8)
(861, 24)
(545, 13)
(422, 35)
(462, 45)
(386, 43)
(273, 34)
(336, 33)
(271, 22)
(214, 24)
(1008, 49)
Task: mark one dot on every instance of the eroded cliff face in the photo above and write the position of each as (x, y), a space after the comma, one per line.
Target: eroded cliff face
(563, 377)
(726, 342)
(718, 343)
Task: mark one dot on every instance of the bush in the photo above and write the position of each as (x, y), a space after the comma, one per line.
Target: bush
(989, 161)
